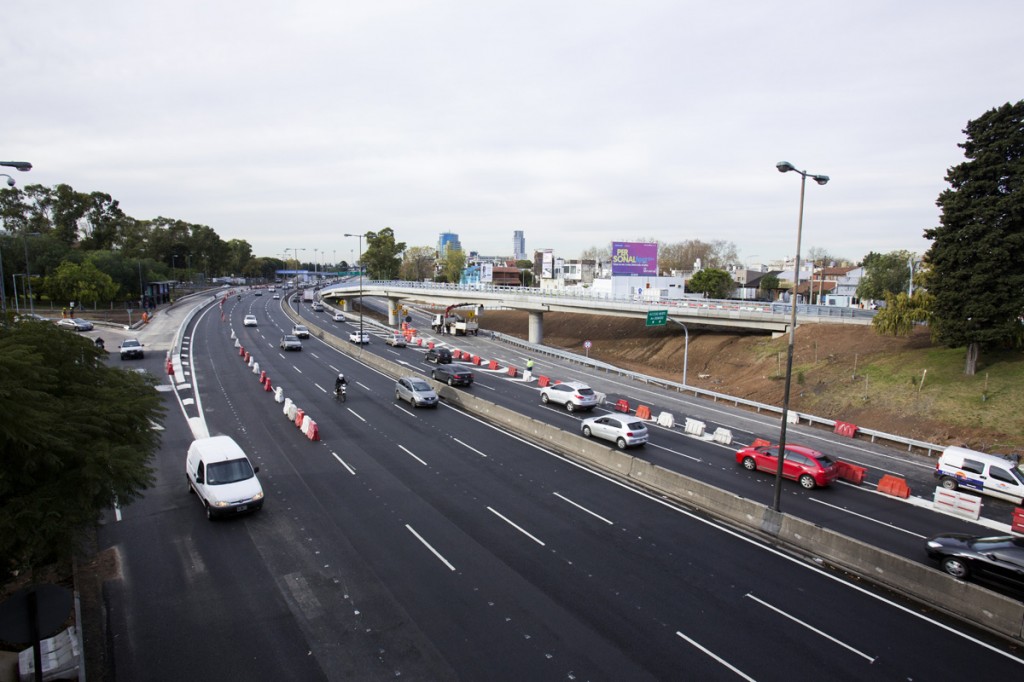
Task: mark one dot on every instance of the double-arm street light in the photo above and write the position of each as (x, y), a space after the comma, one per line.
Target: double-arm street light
(785, 167)
(360, 285)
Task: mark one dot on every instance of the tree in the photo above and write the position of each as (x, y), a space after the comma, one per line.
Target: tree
(901, 312)
(80, 283)
(977, 280)
(382, 256)
(769, 283)
(712, 282)
(884, 274)
(417, 264)
(94, 450)
(452, 266)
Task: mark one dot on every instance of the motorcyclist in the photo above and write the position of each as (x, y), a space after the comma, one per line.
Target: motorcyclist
(99, 343)
(339, 382)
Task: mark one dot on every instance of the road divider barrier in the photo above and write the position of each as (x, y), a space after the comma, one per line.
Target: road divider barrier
(493, 364)
(241, 350)
(289, 409)
(667, 419)
(476, 360)
(694, 427)
(850, 472)
(299, 416)
(622, 405)
(266, 385)
(894, 485)
(792, 417)
(722, 435)
(643, 412)
(309, 428)
(278, 394)
(254, 365)
(957, 503)
(263, 376)
(760, 443)
(543, 381)
(845, 429)
(512, 371)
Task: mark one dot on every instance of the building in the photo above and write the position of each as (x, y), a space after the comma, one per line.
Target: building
(518, 245)
(447, 240)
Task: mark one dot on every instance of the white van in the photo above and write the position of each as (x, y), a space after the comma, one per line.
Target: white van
(988, 474)
(222, 476)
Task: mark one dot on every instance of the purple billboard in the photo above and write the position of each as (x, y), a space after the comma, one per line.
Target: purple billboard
(633, 259)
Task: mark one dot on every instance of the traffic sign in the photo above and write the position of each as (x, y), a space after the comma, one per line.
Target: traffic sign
(657, 318)
(587, 344)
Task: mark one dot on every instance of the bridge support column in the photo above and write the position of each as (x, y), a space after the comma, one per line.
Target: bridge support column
(536, 327)
(393, 305)
(346, 304)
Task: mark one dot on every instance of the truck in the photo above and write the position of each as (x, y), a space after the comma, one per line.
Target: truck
(307, 295)
(451, 323)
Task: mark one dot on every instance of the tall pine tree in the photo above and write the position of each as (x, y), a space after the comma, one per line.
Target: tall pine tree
(977, 254)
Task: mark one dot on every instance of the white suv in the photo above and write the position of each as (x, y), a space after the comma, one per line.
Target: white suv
(574, 395)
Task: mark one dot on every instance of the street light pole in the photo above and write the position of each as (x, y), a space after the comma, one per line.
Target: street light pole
(360, 286)
(28, 274)
(785, 167)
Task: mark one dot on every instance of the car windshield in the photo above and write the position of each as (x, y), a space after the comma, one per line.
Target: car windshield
(996, 543)
(300, 327)
(232, 471)
(290, 338)
(419, 385)
(129, 343)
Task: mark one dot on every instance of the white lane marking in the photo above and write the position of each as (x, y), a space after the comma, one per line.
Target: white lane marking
(812, 629)
(297, 369)
(427, 545)
(344, 464)
(674, 452)
(489, 388)
(469, 447)
(355, 414)
(717, 658)
(868, 518)
(518, 528)
(402, 408)
(581, 507)
(408, 452)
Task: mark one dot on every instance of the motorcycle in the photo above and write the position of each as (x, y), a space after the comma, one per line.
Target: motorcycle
(99, 343)
(339, 393)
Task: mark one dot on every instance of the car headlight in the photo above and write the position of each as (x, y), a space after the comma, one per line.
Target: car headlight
(257, 496)
(220, 503)
(934, 544)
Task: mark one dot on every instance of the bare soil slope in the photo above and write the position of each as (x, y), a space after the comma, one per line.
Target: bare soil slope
(825, 376)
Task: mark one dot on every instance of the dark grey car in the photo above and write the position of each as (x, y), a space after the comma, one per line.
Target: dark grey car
(998, 558)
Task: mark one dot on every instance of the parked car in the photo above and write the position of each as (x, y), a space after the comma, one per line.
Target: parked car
(75, 324)
(438, 355)
(624, 431)
(290, 342)
(573, 394)
(131, 348)
(396, 340)
(301, 331)
(359, 337)
(416, 392)
(452, 375)
(809, 467)
(339, 317)
(998, 558)
(250, 321)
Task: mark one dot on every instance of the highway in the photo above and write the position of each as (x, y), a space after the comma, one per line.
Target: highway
(426, 544)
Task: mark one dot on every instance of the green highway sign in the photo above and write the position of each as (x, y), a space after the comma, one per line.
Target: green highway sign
(657, 318)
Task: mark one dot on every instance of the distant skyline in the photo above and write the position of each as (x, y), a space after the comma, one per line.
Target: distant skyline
(579, 123)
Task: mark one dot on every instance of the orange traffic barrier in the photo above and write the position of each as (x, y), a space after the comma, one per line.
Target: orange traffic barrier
(241, 351)
(266, 385)
(313, 431)
(170, 368)
(643, 412)
(543, 381)
(894, 485)
(850, 472)
(622, 405)
(299, 414)
(263, 376)
(512, 371)
(1017, 525)
(493, 364)
(845, 429)
(456, 353)
(760, 443)
(430, 345)
(476, 360)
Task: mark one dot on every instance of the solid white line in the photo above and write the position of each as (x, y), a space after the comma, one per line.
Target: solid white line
(674, 452)
(412, 455)
(868, 518)
(342, 462)
(491, 509)
(717, 658)
(427, 545)
(814, 630)
(578, 506)
(469, 447)
(355, 414)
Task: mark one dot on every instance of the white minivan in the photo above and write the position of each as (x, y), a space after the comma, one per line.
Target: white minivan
(980, 472)
(219, 472)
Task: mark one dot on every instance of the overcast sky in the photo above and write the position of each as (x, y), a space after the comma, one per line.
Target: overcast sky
(288, 124)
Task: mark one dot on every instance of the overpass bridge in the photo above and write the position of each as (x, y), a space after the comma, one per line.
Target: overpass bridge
(712, 314)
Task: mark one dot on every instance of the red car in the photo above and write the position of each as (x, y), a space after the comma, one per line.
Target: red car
(810, 467)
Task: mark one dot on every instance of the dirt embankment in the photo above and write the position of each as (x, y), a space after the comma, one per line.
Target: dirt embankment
(750, 366)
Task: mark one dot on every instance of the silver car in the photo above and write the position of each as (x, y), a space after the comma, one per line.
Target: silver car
(290, 342)
(416, 392)
(573, 394)
(624, 431)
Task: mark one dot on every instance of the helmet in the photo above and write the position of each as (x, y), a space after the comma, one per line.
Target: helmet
(341, 376)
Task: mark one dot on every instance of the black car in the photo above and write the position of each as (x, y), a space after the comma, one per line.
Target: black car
(997, 558)
(451, 375)
(438, 355)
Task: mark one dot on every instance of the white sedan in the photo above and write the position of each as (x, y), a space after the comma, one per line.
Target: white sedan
(354, 337)
(249, 321)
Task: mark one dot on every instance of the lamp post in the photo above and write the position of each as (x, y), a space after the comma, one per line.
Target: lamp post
(18, 165)
(785, 167)
(28, 270)
(360, 285)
